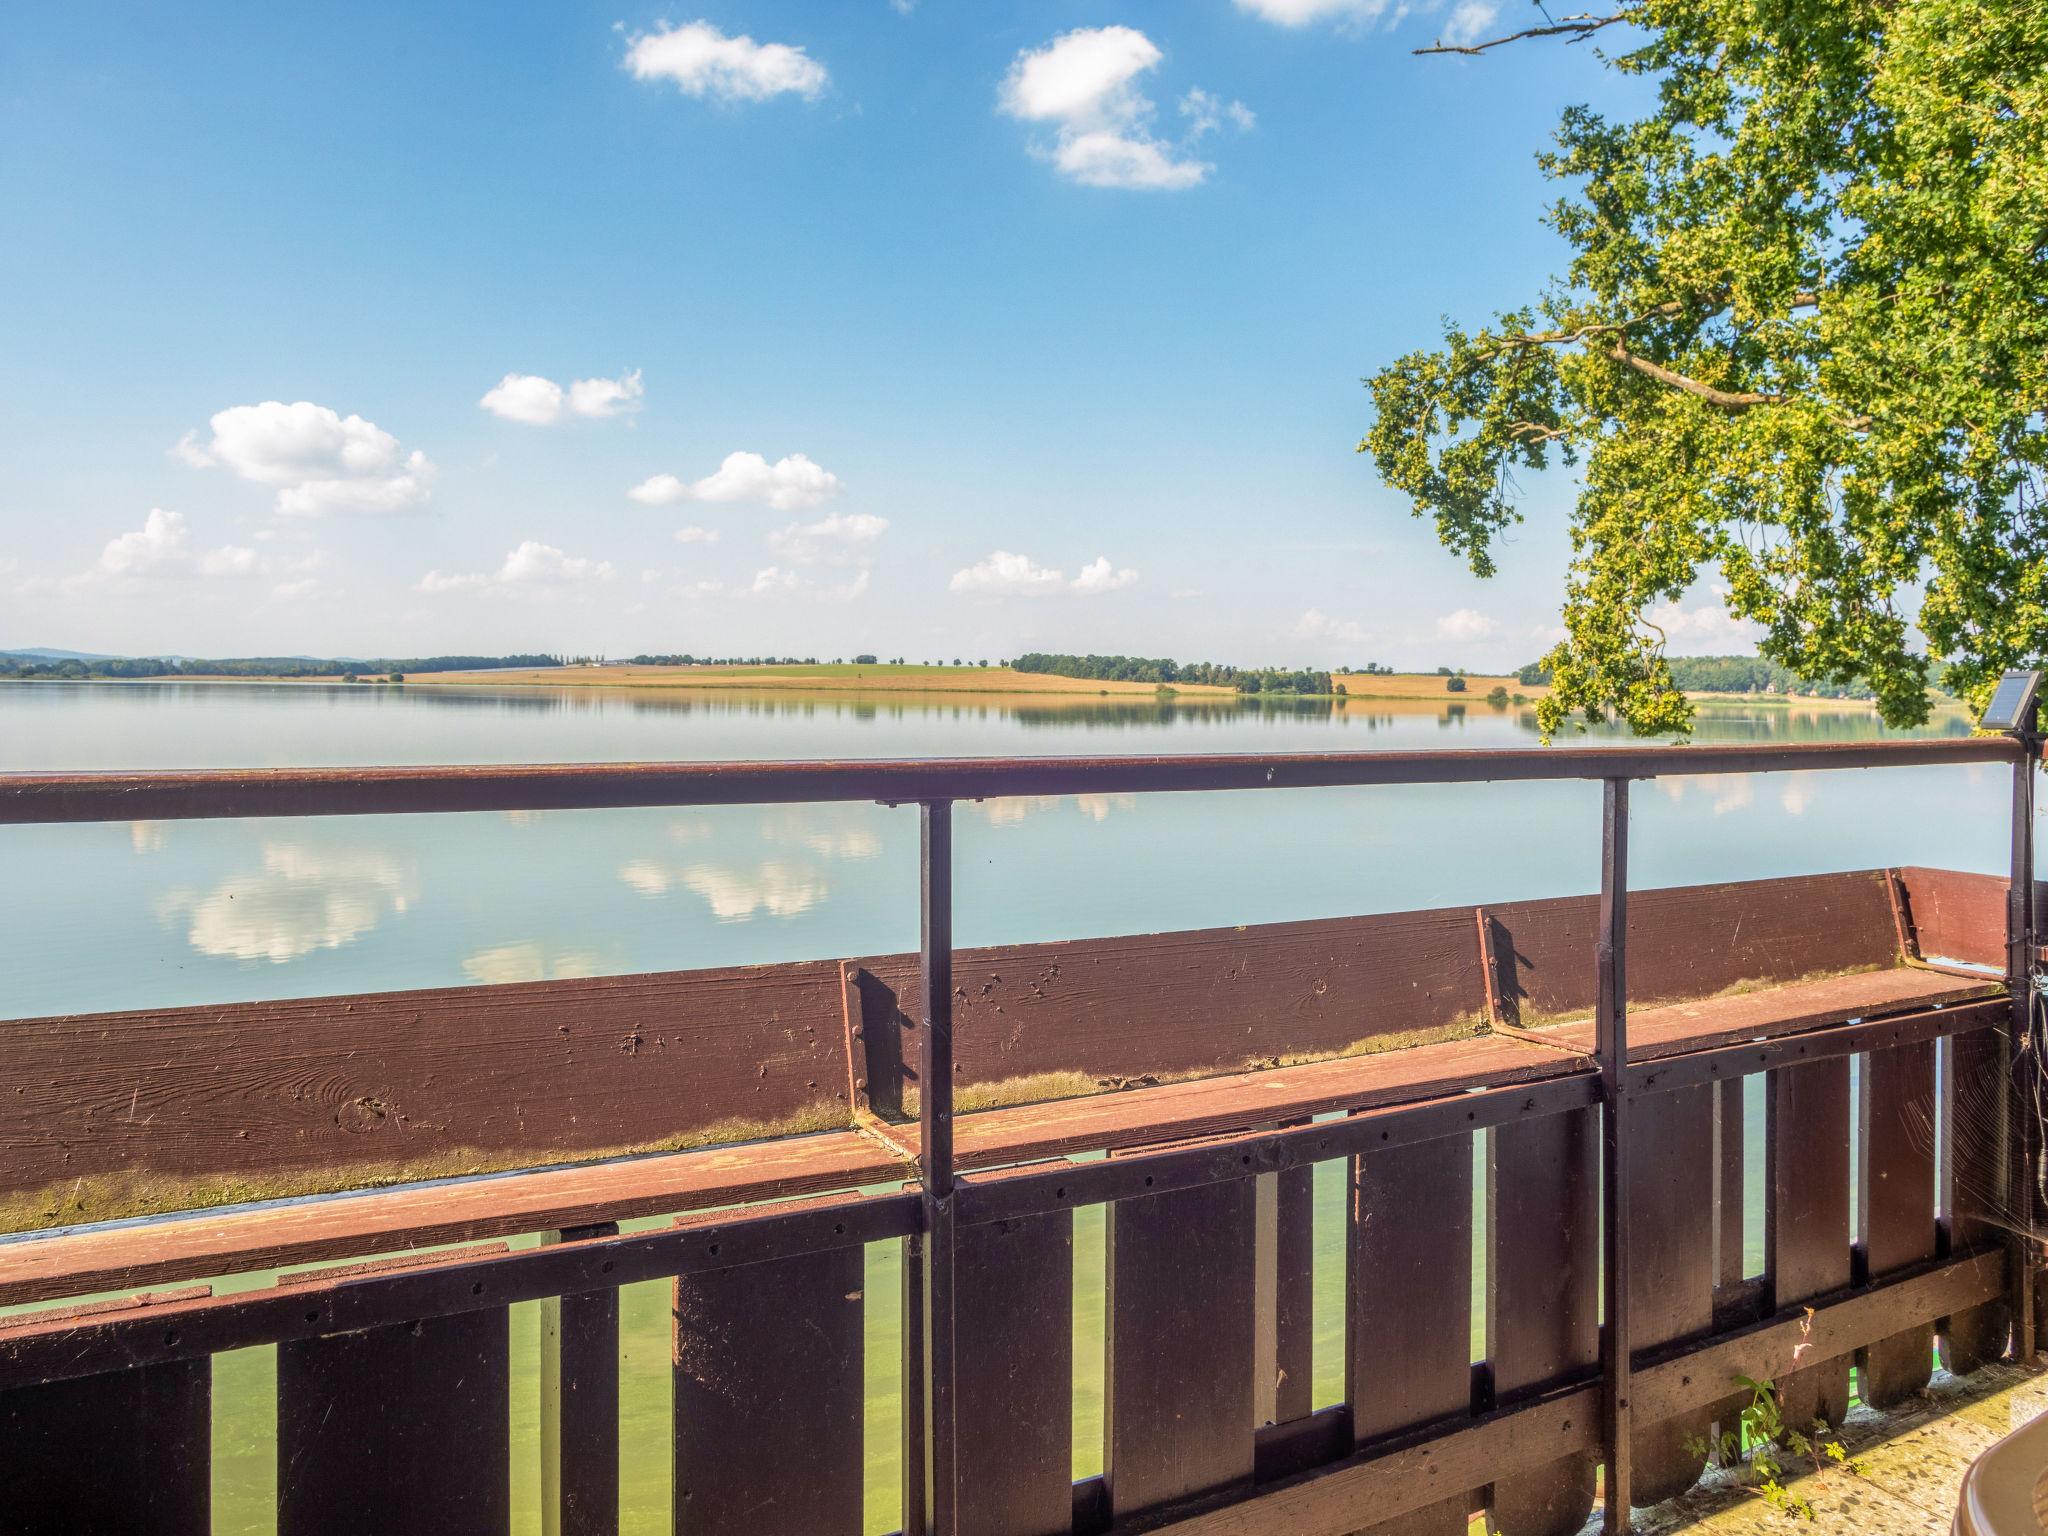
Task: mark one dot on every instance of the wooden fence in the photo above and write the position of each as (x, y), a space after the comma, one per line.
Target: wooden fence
(1598, 1046)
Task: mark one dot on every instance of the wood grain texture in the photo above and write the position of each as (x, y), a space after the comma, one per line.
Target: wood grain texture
(1408, 1289)
(768, 1397)
(1177, 1407)
(1975, 1122)
(1956, 916)
(1806, 1221)
(1543, 1299)
(1671, 1268)
(399, 1428)
(1895, 1129)
(124, 1451)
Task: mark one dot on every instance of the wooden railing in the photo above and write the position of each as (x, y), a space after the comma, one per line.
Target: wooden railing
(1610, 1129)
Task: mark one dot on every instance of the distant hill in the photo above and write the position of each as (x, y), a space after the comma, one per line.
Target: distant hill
(46, 653)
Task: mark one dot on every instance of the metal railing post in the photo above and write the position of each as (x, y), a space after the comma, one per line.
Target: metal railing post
(2024, 1152)
(935, 1161)
(1610, 952)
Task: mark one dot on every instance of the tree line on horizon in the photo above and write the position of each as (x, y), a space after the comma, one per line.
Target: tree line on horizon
(1165, 673)
(1732, 674)
(76, 670)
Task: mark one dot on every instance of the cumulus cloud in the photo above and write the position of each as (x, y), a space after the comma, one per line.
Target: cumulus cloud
(695, 535)
(1469, 22)
(790, 484)
(539, 402)
(1083, 85)
(1466, 624)
(1318, 625)
(162, 546)
(1706, 627)
(1004, 574)
(1302, 13)
(317, 460)
(530, 565)
(832, 537)
(703, 61)
(301, 900)
(777, 887)
(529, 962)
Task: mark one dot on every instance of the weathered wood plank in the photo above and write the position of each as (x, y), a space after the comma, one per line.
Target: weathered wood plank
(1806, 1220)
(123, 1451)
(579, 1407)
(1177, 1403)
(1671, 1267)
(1408, 1283)
(1957, 916)
(768, 1396)
(405, 1427)
(1975, 1121)
(1895, 1128)
(1543, 1299)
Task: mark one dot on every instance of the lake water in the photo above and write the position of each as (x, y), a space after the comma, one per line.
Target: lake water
(138, 914)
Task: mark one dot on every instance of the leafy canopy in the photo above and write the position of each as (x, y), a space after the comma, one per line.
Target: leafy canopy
(1803, 341)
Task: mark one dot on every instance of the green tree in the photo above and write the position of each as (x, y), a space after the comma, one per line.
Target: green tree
(1802, 340)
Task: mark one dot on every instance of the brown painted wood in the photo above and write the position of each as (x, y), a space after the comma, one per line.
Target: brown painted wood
(1976, 1121)
(1177, 1407)
(1729, 1114)
(122, 1451)
(579, 1407)
(1294, 1295)
(1014, 1380)
(912, 1385)
(1671, 1268)
(768, 1396)
(1543, 1301)
(1806, 1220)
(399, 1428)
(1957, 916)
(1408, 1288)
(1895, 1127)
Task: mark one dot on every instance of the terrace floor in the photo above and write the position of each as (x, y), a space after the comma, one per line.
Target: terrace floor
(1913, 1461)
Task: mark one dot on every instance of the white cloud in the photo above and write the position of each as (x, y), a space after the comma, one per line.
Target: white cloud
(540, 402)
(778, 887)
(1083, 84)
(528, 962)
(1099, 576)
(790, 484)
(1302, 13)
(773, 579)
(294, 591)
(695, 535)
(1464, 625)
(1469, 22)
(228, 560)
(1706, 627)
(1206, 113)
(301, 900)
(161, 547)
(1004, 574)
(1010, 810)
(703, 61)
(1318, 625)
(530, 565)
(317, 460)
(828, 538)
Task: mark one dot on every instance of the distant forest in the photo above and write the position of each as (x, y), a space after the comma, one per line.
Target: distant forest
(254, 666)
(1733, 674)
(1158, 670)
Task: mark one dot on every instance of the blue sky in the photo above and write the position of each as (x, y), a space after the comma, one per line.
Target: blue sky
(951, 328)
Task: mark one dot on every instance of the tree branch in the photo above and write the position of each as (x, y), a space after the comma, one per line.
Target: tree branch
(1728, 400)
(1574, 27)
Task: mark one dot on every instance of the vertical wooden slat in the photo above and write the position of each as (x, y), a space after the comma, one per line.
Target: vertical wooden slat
(1895, 1129)
(1543, 1298)
(1976, 1128)
(1178, 1395)
(127, 1451)
(768, 1396)
(579, 1406)
(911, 1385)
(1014, 1381)
(1618, 1274)
(1806, 1219)
(405, 1427)
(1408, 1281)
(1728, 1203)
(1671, 1267)
(1294, 1295)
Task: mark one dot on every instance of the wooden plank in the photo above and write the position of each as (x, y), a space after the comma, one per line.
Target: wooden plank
(768, 1396)
(1408, 1286)
(1957, 916)
(123, 1451)
(319, 1093)
(1975, 1120)
(1895, 1132)
(1543, 1299)
(1178, 1386)
(1671, 1268)
(406, 1427)
(1690, 942)
(912, 1385)
(579, 1407)
(1014, 1382)
(1806, 1221)
(1294, 1294)
(1729, 1259)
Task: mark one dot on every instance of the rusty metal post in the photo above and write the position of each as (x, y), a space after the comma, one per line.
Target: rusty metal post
(935, 1162)
(2024, 1132)
(1610, 956)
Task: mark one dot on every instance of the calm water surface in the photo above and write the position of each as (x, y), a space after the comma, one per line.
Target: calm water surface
(146, 913)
